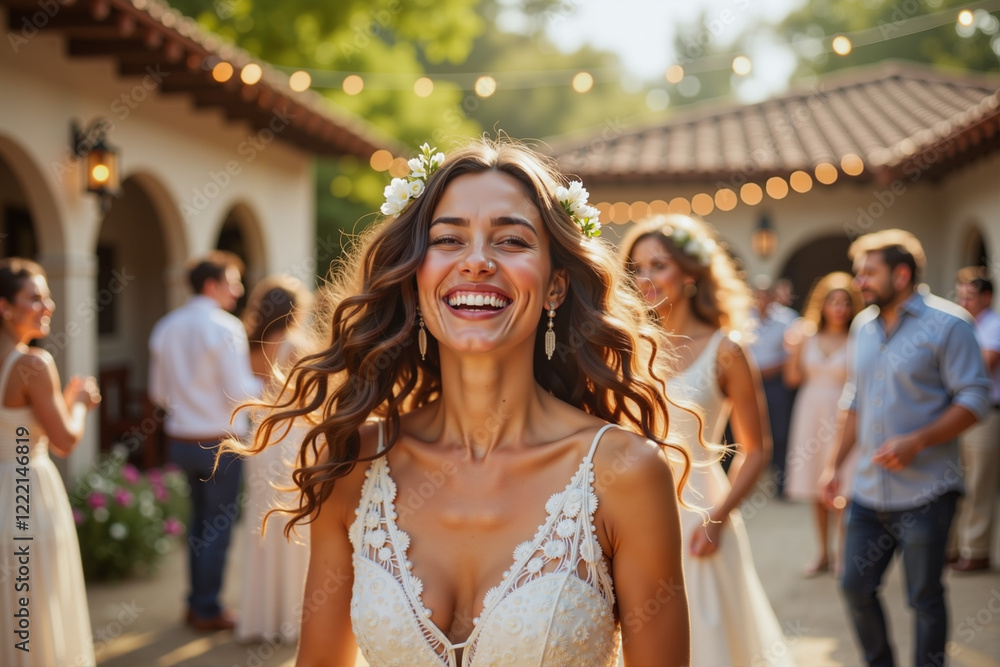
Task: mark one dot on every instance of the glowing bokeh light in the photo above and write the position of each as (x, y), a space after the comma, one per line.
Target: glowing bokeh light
(222, 72)
(675, 73)
(751, 194)
(842, 45)
(702, 204)
(800, 181)
(776, 187)
(852, 164)
(485, 86)
(726, 199)
(742, 65)
(381, 159)
(583, 82)
(100, 173)
(826, 173)
(965, 18)
(251, 74)
(423, 87)
(353, 84)
(300, 81)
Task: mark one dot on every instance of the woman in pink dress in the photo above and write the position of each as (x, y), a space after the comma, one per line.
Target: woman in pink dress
(817, 365)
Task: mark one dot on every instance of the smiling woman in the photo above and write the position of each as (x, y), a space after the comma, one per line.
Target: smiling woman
(489, 542)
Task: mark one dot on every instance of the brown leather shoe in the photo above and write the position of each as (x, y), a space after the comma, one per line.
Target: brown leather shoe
(223, 621)
(971, 564)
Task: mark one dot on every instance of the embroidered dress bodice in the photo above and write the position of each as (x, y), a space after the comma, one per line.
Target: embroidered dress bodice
(554, 606)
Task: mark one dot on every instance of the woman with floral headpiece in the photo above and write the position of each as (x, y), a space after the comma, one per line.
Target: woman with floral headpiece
(486, 424)
(692, 285)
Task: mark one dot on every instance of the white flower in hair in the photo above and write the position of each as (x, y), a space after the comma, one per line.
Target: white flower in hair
(397, 194)
(573, 199)
(691, 243)
(401, 191)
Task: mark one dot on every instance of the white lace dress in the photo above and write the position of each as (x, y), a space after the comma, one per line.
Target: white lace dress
(732, 622)
(554, 606)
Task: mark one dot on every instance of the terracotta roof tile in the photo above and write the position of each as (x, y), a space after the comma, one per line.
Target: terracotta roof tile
(885, 115)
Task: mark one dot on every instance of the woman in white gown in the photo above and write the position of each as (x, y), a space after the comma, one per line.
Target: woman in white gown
(692, 284)
(274, 566)
(817, 365)
(43, 600)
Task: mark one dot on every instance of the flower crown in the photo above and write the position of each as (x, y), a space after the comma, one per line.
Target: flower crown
(400, 191)
(691, 243)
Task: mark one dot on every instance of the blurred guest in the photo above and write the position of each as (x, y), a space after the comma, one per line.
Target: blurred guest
(817, 366)
(199, 371)
(771, 320)
(915, 381)
(43, 600)
(274, 567)
(980, 445)
(691, 283)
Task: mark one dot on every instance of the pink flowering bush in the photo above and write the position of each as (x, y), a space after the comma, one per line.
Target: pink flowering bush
(127, 520)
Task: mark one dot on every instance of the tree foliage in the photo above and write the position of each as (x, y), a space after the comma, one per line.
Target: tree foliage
(918, 30)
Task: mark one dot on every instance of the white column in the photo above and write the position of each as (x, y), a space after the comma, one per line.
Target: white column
(73, 341)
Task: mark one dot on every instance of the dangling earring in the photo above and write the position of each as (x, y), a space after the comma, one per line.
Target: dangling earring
(550, 335)
(690, 290)
(422, 337)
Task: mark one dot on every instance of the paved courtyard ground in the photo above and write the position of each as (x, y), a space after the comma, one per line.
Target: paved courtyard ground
(141, 619)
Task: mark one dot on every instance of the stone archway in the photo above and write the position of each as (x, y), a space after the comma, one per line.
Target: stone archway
(28, 214)
(813, 260)
(241, 233)
(141, 237)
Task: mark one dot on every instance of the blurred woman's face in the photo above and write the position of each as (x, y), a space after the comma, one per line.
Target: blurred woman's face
(837, 308)
(30, 314)
(660, 278)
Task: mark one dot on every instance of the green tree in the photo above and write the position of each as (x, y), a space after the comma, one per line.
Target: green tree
(918, 30)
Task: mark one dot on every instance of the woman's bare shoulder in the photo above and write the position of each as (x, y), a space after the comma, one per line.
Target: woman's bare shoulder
(624, 459)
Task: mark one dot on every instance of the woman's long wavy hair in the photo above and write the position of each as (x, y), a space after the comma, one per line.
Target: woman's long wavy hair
(604, 363)
(723, 298)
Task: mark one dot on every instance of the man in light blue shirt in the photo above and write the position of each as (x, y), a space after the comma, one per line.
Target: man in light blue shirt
(915, 381)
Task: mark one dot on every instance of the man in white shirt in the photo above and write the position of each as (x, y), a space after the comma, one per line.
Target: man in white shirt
(980, 444)
(199, 372)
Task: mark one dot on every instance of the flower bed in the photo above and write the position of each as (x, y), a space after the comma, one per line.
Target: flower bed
(126, 520)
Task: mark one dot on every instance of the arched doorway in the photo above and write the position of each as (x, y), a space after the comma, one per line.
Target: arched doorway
(17, 228)
(976, 253)
(812, 261)
(134, 250)
(241, 235)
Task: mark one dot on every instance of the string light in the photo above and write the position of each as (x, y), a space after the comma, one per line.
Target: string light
(485, 86)
(842, 45)
(702, 204)
(742, 65)
(826, 173)
(751, 194)
(423, 87)
(852, 164)
(965, 18)
(222, 72)
(583, 82)
(381, 160)
(353, 84)
(251, 74)
(675, 73)
(300, 81)
(776, 187)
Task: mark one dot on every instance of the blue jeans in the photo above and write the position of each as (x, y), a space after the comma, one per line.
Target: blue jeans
(214, 510)
(873, 537)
